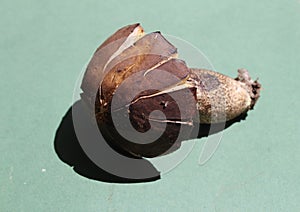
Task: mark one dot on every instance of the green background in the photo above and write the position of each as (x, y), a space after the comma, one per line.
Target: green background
(44, 45)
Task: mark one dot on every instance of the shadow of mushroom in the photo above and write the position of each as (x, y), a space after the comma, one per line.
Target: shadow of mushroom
(68, 149)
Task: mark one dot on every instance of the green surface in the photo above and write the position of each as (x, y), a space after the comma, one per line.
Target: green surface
(45, 45)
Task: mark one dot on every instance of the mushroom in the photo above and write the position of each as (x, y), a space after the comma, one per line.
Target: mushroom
(147, 101)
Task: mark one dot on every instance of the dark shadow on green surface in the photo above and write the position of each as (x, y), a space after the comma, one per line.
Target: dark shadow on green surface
(209, 129)
(69, 151)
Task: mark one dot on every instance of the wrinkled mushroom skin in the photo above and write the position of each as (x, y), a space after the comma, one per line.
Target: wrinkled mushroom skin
(95, 69)
(221, 98)
(129, 62)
